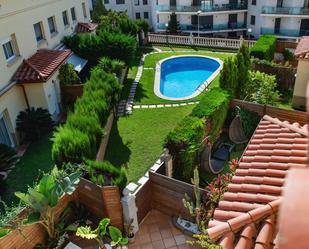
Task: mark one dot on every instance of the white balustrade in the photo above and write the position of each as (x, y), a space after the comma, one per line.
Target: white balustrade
(199, 41)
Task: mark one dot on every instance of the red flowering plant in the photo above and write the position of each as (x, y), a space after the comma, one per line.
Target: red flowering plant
(216, 189)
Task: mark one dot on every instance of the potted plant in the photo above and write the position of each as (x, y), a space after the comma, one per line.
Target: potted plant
(107, 236)
(129, 230)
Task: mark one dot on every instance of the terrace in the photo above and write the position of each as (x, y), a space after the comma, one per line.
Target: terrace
(284, 11)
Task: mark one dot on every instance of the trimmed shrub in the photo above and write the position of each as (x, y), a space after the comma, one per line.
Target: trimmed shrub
(94, 46)
(264, 48)
(98, 11)
(142, 25)
(183, 144)
(206, 119)
(111, 66)
(228, 76)
(34, 123)
(8, 158)
(67, 75)
(71, 145)
(106, 174)
(90, 114)
(250, 121)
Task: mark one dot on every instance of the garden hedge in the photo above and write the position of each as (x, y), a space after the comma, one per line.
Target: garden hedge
(264, 48)
(186, 141)
(79, 138)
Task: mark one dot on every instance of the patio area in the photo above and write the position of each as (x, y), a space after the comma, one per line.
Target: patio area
(158, 232)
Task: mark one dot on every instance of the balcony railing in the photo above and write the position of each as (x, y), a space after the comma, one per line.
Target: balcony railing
(285, 10)
(206, 28)
(285, 32)
(203, 8)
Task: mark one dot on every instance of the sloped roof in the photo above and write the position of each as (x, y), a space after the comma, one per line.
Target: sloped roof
(246, 216)
(84, 27)
(302, 49)
(41, 66)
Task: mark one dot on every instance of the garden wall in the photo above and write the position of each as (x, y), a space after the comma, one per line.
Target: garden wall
(282, 45)
(285, 75)
(291, 116)
(28, 236)
(101, 201)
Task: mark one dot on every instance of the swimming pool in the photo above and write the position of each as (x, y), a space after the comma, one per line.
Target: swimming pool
(184, 77)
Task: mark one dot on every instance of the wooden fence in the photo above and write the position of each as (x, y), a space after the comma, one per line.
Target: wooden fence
(282, 45)
(199, 41)
(100, 201)
(291, 116)
(69, 94)
(164, 194)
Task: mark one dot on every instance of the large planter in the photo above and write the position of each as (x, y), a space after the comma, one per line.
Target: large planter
(101, 201)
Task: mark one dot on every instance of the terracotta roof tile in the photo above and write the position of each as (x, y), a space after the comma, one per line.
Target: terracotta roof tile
(250, 206)
(302, 49)
(86, 27)
(41, 66)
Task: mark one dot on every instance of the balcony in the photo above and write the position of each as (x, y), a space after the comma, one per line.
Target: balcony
(203, 8)
(285, 11)
(284, 32)
(209, 28)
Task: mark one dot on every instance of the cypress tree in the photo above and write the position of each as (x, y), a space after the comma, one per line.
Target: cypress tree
(98, 11)
(173, 24)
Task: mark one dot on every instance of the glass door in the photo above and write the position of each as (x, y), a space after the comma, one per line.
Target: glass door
(277, 25)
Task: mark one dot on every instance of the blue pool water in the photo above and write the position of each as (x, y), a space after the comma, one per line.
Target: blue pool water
(182, 76)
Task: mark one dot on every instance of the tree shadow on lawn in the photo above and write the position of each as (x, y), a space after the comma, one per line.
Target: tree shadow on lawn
(117, 152)
(141, 93)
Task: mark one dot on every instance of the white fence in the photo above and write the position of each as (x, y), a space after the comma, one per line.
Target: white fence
(199, 41)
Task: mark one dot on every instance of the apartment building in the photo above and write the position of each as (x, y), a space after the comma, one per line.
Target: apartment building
(284, 18)
(224, 17)
(29, 32)
(136, 9)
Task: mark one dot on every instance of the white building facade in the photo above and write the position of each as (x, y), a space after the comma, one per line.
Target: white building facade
(27, 27)
(287, 19)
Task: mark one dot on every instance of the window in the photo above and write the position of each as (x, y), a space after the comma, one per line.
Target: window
(73, 14)
(138, 15)
(145, 2)
(146, 15)
(5, 137)
(106, 1)
(8, 49)
(65, 18)
(120, 1)
(252, 20)
(84, 10)
(52, 25)
(136, 2)
(38, 31)
(253, 2)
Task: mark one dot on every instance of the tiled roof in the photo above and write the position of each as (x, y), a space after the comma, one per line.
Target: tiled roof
(246, 216)
(41, 66)
(84, 27)
(302, 49)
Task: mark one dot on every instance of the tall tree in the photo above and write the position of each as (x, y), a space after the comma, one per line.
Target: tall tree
(98, 11)
(173, 24)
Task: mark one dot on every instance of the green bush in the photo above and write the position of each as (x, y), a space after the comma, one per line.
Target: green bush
(111, 65)
(142, 25)
(90, 114)
(104, 43)
(250, 121)
(264, 48)
(67, 75)
(71, 145)
(206, 119)
(34, 123)
(106, 174)
(98, 11)
(288, 55)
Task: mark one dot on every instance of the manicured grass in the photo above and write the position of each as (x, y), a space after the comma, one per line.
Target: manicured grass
(35, 161)
(174, 47)
(145, 90)
(137, 141)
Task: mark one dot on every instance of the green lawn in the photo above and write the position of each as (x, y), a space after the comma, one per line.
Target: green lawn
(137, 140)
(36, 160)
(145, 90)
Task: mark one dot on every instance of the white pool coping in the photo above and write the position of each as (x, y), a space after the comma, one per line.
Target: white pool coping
(198, 91)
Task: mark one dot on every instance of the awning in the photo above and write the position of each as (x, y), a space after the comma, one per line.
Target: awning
(78, 62)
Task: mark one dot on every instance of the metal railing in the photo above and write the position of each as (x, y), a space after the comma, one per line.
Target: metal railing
(285, 10)
(199, 41)
(206, 27)
(285, 32)
(203, 8)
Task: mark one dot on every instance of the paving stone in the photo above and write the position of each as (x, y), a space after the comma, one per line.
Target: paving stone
(137, 107)
(160, 106)
(143, 180)
(175, 105)
(183, 104)
(132, 186)
(152, 106)
(144, 106)
(168, 105)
